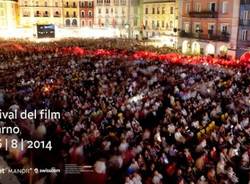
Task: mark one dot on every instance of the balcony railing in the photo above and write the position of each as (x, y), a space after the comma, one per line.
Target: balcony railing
(204, 14)
(244, 22)
(245, 2)
(70, 6)
(57, 15)
(219, 37)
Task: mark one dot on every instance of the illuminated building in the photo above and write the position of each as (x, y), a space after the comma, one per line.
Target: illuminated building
(119, 14)
(209, 27)
(244, 28)
(71, 13)
(34, 12)
(8, 14)
(160, 19)
(86, 13)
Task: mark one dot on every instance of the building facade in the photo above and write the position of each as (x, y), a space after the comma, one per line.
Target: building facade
(71, 14)
(243, 44)
(86, 13)
(160, 19)
(120, 14)
(40, 12)
(8, 14)
(209, 27)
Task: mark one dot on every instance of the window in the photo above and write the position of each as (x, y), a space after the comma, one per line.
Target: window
(158, 11)
(224, 6)
(25, 3)
(135, 22)
(146, 10)
(45, 3)
(158, 24)
(153, 10)
(146, 23)
(56, 4)
(224, 28)
(212, 7)
(74, 4)
(37, 14)
(37, 3)
(82, 13)
(123, 2)
(99, 2)
(56, 14)
(171, 10)
(107, 10)
(67, 14)
(197, 28)
(244, 35)
(25, 13)
(116, 2)
(153, 24)
(99, 10)
(197, 7)
(107, 1)
(245, 15)
(74, 14)
(211, 28)
(186, 27)
(162, 23)
(83, 23)
(187, 8)
(163, 10)
(90, 23)
(171, 24)
(90, 14)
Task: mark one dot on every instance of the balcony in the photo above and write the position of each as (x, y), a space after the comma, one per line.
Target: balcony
(204, 14)
(245, 2)
(45, 15)
(26, 15)
(57, 15)
(245, 23)
(224, 37)
(37, 15)
(70, 6)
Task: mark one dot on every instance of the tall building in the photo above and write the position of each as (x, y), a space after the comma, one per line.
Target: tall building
(71, 13)
(86, 13)
(244, 28)
(160, 19)
(110, 13)
(8, 14)
(34, 12)
(209, 27)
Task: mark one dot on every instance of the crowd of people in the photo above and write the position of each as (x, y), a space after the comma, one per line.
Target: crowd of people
(132, 121)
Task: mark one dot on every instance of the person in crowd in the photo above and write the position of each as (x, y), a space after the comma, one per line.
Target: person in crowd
(134, 121)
